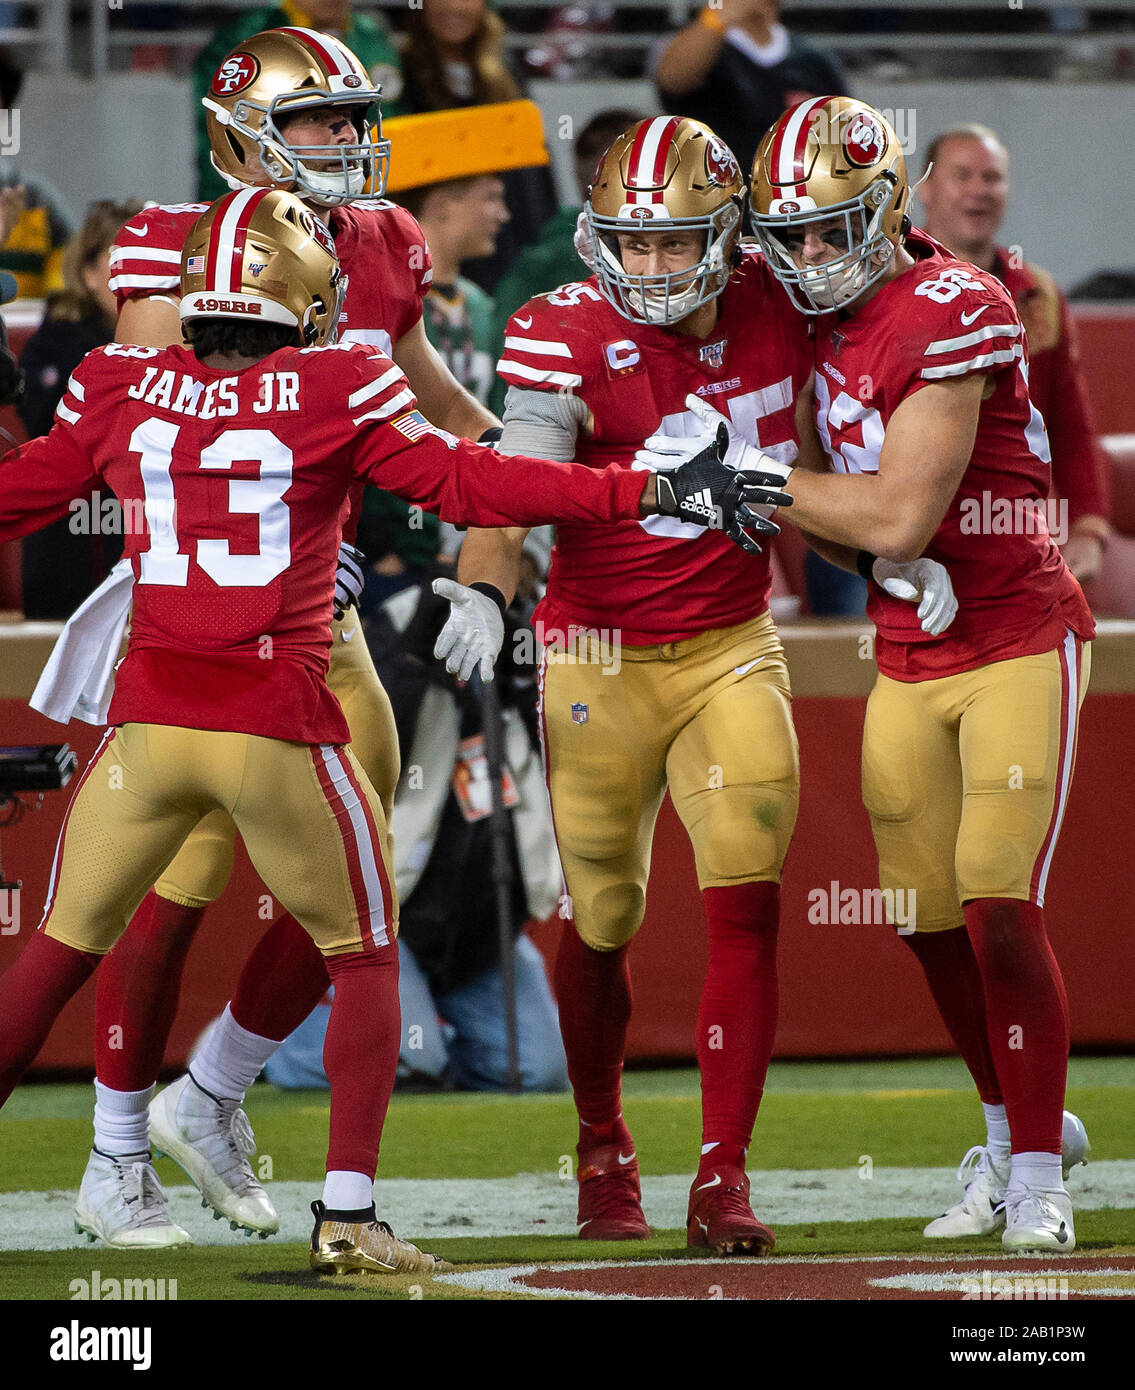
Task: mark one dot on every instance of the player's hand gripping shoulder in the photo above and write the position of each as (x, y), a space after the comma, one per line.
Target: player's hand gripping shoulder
(924, 582)
(473, 632)
(701, 488)
(738, 476)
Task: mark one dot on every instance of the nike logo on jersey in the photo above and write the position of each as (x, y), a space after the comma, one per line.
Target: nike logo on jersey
(139, 231)
(967, 319)
(744, 670)
(524, 323)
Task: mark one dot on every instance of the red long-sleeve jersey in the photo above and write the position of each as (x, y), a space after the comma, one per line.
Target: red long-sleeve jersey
(234, 487)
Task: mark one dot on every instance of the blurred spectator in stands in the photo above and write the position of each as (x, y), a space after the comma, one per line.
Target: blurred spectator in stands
(462, 219)
(445, 171)
(737, 69)
(552, 259)
(35, 217)
(965, 197)
(65, 561)
(450, 984)
(365, 34)
(453, 55)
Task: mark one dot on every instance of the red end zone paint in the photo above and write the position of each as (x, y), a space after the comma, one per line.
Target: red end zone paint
(949, 1277)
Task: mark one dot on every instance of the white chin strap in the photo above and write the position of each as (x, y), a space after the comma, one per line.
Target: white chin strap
(832, 291)
(679, 305)
(323, 185)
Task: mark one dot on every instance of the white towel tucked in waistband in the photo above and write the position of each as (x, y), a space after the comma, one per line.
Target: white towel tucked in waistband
(78, 680)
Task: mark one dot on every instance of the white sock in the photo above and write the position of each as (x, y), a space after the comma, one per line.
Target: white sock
(122, 1121)
(997, 1132)
(1039, 1172)
(231, 1058)
(347, 1191)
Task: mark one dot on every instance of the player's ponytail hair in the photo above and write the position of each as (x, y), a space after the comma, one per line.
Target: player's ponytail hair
(208, 335)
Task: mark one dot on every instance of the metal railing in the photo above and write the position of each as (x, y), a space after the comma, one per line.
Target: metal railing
(92, 35)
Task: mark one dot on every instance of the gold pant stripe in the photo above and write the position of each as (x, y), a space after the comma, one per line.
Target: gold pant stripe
(201, 869)
(313, 826)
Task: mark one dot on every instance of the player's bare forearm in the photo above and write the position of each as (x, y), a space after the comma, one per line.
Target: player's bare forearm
(844, 557)
(441, 397)
(896, 511)
(151, 322)
(492, 557)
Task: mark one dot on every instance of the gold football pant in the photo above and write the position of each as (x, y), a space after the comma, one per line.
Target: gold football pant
(201, 870)
(709, 718)
(966, 778)
(313, 826)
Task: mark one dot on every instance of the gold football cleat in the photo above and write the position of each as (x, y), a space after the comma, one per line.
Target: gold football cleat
(357, 1247)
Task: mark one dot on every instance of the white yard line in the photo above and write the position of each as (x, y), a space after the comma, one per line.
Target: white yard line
(541, 1204)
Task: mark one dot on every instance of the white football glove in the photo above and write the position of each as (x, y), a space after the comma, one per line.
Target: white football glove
(581, 240)
(473, 632)
(662, 452)
(924, 582)
(349, 579)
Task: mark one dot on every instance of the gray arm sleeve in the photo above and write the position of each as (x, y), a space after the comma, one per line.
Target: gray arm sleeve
(542, 424)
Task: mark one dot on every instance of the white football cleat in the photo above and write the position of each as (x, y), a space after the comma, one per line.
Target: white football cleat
(121, 1202)
(1075, 1147)
(980, 1211)
(1038, 1221)
(212, 1140)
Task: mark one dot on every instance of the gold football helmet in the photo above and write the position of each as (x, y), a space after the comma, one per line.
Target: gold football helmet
(273, 75)
(262, 256)
(665, 173)
(830, 157)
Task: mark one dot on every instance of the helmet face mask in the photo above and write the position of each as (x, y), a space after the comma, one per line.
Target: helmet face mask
(330, 175)
(836, 283)
(671, 296)
(665, 175)
(837, 162)
(274, 76)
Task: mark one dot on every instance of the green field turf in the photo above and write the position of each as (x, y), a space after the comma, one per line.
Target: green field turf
(919, 1113)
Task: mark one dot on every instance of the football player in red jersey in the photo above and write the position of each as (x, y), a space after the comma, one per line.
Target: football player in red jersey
(291, 108)
(237, 456)
(935, 449)
(662, 667)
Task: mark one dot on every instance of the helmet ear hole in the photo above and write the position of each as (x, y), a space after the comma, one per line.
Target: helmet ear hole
(238, 153)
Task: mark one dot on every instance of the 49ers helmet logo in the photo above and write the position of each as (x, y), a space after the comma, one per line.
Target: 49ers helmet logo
(238, 71)
(720, 166)
(864, 140)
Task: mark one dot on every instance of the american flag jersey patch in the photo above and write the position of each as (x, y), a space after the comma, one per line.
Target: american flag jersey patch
(413, 425)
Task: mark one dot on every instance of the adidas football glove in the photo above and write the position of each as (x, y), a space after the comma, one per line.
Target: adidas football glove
(707, 493)
(349, 579)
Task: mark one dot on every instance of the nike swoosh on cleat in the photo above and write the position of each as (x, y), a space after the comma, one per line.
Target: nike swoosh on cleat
(716, 1182)
(625, 1161)
(967, 319)
(744, 670)
(1062, 1234)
